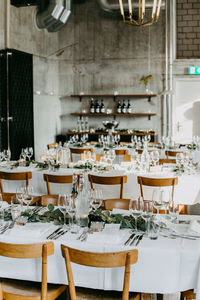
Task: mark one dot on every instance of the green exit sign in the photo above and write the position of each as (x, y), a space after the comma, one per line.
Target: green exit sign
(194, 70)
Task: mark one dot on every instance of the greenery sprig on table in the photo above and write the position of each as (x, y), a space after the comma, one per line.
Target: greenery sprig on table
(55, 215)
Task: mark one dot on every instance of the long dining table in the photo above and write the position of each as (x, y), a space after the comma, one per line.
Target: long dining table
(164, 265)
(186, 192)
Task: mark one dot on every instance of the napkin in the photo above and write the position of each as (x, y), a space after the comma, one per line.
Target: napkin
(30, 231)
(120, 211)
(194, 226)
(110, 237)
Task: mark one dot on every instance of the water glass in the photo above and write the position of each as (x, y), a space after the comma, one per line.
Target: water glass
(173, 211)
(157, 199)
(147, 213)
(96, 199)
(135, 208)
(15, 212)
(154, 229)
(63, 205)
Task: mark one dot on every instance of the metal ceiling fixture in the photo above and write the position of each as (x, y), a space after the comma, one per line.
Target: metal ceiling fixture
(139, 8)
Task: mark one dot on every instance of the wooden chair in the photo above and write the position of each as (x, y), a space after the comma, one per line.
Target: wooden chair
(98, 157)
(104, 180)
(166, 161)
(52, 146)
(45, 200)
(172, 153)
(152, 144)
(18, 176)
(17, 289)
(157, 182)
(188, 295)
(139, 151)
(161, 182)
(79, 151)
(116, 203)
(127, 157)
(99, 260)
(121, 151)
(56, 179)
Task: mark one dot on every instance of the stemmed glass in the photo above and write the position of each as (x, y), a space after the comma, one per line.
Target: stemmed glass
(63, 205)
(173, 210)
(136, 208)
(111, 155)
(117, 139)
(27, 192)
(72, 213)
(154, 157)
(7, 155)
(29, 152)
(23, 154)
(179, 159)
(96, 199)
(147, 213)
(157, 199)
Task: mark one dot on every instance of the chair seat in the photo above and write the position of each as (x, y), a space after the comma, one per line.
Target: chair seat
(93, 294)
(188, 295)
(25, 289)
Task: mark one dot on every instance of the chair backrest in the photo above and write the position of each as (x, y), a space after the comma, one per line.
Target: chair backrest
(121, 152)
(172, 153)
(157, 182)
(152, 144)
(167, 161)
(52, 146)
(79, 151)
(104, 180)
(56, 179)
(22, 251)
(14, 176)
(99, 260)
(49, 199)
(116, 203)
(139, 151)
(127, 157)
(98, 157)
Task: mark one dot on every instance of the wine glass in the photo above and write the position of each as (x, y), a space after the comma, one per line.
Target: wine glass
(135, 208)
(155, 157)
(179, 159)
(157, 199)
(97, 199)
(23, 154)
(27, 195)
(117, 139)
(147, 213)
(111, 155)
(29, 152)
(72, 213)
(7, 155)
(63, 205)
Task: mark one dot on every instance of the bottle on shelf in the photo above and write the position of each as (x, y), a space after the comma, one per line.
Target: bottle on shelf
(97, 108)
(79, 124)
(86, 124)
(82, 124)
(119, 107)
(92, 106)
(102, 108)
(124, 107)
(129, 108)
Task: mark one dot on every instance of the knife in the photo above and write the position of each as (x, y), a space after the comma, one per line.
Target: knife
(130, 237)
(139, 239)
(60, 234)
(53, 233)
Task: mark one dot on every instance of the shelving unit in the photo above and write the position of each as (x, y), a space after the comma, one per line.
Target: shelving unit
(149, 115)
(114, 133)
(137, 96)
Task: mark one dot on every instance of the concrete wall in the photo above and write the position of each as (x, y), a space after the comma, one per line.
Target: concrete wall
(25, 36)
(104, 55)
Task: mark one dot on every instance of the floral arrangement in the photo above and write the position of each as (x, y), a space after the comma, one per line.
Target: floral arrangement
(146, 79)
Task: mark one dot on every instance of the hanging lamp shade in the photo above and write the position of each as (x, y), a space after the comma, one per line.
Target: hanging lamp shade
(146, 15)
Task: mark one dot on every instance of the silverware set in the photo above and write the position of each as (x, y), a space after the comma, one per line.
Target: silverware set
(57, 233)
(84, 234)
(134, 239)
(6, 227)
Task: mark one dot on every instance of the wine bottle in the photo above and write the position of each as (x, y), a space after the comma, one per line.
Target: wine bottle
(92, 107)
(124, 107)
(102, 108)
(119, 107)
(97, 107)
(129, 108)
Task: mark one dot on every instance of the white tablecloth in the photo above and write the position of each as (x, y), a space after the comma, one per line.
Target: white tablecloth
(164, 265)
(186, 192)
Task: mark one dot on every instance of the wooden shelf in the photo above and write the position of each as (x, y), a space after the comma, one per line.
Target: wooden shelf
(149, 115)
(114, 133)
(148, 96)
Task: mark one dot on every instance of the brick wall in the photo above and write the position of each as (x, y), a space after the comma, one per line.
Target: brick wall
(188, 28)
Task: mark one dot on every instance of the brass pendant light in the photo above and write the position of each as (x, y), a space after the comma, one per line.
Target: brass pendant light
(141, 10)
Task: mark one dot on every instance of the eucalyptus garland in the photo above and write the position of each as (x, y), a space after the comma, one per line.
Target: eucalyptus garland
(56, 216)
